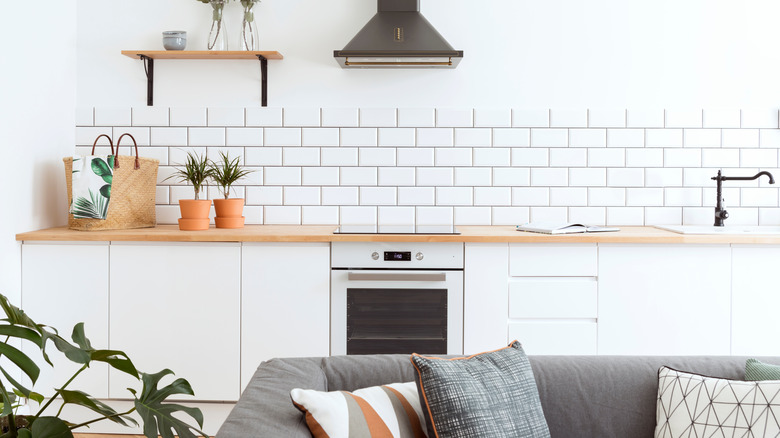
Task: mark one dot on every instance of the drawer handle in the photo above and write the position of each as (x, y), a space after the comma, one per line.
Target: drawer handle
(363, 276)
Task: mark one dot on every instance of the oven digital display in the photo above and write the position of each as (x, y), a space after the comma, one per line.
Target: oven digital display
(402, 256)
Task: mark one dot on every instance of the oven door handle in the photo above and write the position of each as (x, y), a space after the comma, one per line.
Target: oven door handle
(365, 276)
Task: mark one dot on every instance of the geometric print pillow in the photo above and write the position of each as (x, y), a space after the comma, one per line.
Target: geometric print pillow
(388, 411)
(691, 405)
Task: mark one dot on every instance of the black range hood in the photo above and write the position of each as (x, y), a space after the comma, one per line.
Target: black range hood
(398, 36)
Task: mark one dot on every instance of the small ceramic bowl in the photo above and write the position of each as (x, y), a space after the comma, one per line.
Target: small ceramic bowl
(174, 39)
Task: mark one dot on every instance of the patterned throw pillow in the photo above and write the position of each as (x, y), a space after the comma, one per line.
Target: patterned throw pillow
(489, 394)
(388, 411)
(691, 405)
(757, 370)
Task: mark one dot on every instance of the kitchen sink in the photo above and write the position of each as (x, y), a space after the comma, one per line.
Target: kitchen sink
(728, 229)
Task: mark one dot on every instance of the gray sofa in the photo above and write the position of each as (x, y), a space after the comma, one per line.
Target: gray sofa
(582, 396)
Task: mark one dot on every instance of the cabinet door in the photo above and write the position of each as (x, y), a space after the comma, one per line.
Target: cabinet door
(177, 306)
(285, 302)
(485, 302)
(755, 300)
(64, 284)
(664, 299)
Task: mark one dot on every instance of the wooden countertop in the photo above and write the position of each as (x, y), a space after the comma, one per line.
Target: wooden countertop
(324, 233)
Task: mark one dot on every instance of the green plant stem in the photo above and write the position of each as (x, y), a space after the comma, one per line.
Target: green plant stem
(11, 416)
(59, 391)
(103, 418)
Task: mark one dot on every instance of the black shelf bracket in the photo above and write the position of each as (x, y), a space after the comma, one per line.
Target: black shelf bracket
(149, 69)
(263, 80)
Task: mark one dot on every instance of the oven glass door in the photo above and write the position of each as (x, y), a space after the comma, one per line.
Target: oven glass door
(396, 311)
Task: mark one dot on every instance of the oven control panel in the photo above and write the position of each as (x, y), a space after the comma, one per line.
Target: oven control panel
(401, 256)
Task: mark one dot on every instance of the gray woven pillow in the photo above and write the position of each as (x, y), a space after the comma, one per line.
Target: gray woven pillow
(490, 394)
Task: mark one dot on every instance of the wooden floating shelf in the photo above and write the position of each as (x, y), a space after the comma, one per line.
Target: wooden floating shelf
(148, 57)
(202, 54)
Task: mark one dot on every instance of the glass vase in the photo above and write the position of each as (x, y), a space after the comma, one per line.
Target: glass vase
(218, 39)
(248, 28)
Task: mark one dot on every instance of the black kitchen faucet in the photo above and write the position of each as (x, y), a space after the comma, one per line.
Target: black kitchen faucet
(720, 213)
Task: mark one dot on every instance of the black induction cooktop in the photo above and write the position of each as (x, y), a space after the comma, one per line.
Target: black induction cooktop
(396, 229)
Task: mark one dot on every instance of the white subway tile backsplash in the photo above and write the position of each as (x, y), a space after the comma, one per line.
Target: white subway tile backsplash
(568, 196)
(721, 118)
(511, 176)
(168, 137)
(549, 214)
(663, 216)
(625, 177)
(612, 157)
(743, 216)
(162, 195)
(270, 117)
(225, 117)
(511, 137)
(167, 214)
(188, 116)
(568, 118)
(695, 177)
(434, 215)
(758, 158)
(684, 118)
(264, 195)
(549, 177)
(376, 156)
(396, 137)
(149, 116)
(358, 176)
(243, 136)
(319, 215)
(358, 136)
(607, 118)
(320, 137)
(160, 154)
(530, 118)
(301, 116)
(550, 138)
(740, 138)
(206, 136)
(113, 116)
(645, 196)
(626, 138)
(769, 216)
(378, 196)
(645, 118)
(340, 117)
(587, 138)
(511, 215)
(85, 116)
(339, 156)
(86, 135)
(473, 137)
(731, 196)
(682, 157)
(697, 216)
(320, 176)
(758, 197)
(396, 176)
(340, 196)
(301, 196)
(415, 157)
(178, 156)
(568, 157)
(587, 177)
(644, 157)
(759, 118)
(473, 176)
(625, 216)
(488, 117)
(453, 157)
(682, 196)
(295, 156)
(472, 215)
(282, 215)
(265, 156)
(435, 176)
(282, 176)
(492, 196)
(358, 215)
(664, 138)
(396, 215)
(141, 136)
(606, 196)
(535, 157)
(417, 117)
(416, 196)
(378, 117)
(454, 118)
(663, 177)
(702, 138)
(494, 157)
(720, 157)
(281, 136)
(531, 196)
(769, 138)
(435, 137)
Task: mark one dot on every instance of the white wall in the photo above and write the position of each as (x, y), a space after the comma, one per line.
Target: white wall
(38, 77)
(518, 53)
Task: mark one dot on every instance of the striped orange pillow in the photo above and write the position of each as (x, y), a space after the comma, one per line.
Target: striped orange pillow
(388, 411)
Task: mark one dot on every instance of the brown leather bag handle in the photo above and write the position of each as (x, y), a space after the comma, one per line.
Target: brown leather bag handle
(137, 164)
(109, 142)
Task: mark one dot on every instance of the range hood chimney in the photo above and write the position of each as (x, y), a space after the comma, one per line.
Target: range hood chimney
(398, 36)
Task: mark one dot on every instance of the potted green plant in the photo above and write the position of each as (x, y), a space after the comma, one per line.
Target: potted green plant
(157, 417)
(194, 212)
(225, 173)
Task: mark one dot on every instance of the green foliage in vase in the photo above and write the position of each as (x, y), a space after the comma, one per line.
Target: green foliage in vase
(156, 415)
(226, 172)
(195, 171)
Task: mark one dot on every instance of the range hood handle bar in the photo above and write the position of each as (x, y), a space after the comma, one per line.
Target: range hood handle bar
(346, 62)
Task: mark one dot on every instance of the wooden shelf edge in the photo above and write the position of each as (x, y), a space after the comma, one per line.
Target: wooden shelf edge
(202, 54)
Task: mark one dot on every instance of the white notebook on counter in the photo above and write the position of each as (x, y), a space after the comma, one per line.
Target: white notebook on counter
(563, 228)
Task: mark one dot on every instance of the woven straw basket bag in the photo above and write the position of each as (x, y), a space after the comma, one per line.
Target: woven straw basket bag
(133, 191)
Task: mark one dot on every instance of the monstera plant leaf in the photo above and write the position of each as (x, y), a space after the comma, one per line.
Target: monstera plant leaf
(50, 427)
(81, 398)
(157, 416)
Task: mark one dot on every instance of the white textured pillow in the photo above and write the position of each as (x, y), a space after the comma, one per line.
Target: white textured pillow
(388, 411)
(691, 405)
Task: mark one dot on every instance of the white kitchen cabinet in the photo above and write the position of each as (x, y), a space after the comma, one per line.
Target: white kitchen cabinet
(64, 284)
(285, 302)
(555, 336)
(664, 299)
(177, 306)
(755, 300)
(486, 268)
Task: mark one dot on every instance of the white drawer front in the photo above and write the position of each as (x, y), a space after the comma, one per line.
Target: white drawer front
(553, 298)
(553, 260)
(555, 337)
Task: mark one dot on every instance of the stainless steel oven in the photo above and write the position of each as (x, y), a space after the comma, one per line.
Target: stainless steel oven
(396, 298)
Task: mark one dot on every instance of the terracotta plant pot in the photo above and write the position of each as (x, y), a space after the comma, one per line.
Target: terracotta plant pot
(229, 213)
(194, 214)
